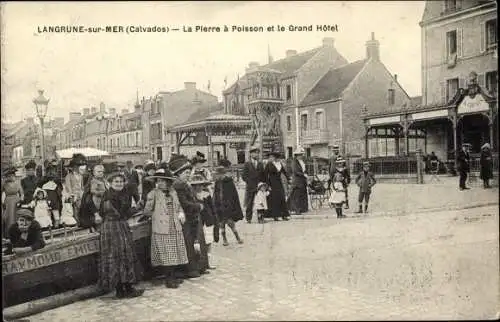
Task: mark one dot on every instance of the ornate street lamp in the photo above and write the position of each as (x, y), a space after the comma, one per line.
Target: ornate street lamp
(41, 105)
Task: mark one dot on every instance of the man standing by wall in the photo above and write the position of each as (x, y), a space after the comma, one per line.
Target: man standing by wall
(253, 173)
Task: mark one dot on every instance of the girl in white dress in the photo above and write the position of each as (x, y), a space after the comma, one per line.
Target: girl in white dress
(260, 201)
(42, 209)
(337, 198)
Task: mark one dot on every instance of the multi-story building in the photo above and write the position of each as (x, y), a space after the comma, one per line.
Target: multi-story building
(272, 93)
(96, 122)
(459, 80)
(167, 109)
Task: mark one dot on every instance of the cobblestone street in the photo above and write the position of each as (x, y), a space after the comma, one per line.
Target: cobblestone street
(439, 265)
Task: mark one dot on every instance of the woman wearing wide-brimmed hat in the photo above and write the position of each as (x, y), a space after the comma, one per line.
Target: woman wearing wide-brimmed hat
(168, 248)
(119, 267)
(486, 162)
(12, 191)
(277, 199)
(298, 201)
(181, 169)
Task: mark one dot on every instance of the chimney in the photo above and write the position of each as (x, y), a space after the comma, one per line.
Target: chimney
(102, 108)
(93, 110)
(73, 116)
(190, 85)
(291, 52)
(396, 77)
(112, 111)
(372, 48)
(86, 111)
(124, 111)
(328, 42)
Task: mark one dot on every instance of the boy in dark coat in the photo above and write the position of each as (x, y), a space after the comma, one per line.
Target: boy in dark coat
(30, 182)
(227, 202)
(463, 165)
(253, 173)
(365, 181)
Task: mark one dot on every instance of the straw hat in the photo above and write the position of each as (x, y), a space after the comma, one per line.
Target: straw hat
(254, 149)
(198, 180)
(162, 174)
(261, 184)
(178, 163)
(299, 150)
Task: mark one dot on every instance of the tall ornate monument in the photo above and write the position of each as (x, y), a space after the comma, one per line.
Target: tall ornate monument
(264, 108)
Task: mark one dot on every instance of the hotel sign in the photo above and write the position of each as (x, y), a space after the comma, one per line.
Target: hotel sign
(473, 105)
(230, 139)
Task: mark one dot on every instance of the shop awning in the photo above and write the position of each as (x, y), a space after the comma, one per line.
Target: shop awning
(87, 152)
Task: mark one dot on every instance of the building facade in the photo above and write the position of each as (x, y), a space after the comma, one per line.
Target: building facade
(459, 82)
(271, 94)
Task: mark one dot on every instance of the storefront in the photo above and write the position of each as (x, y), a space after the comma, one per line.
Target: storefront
(470, 117)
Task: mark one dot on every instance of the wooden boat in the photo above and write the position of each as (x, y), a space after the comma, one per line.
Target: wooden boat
(63, 265)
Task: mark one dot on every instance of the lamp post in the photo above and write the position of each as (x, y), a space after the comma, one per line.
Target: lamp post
(41, 105)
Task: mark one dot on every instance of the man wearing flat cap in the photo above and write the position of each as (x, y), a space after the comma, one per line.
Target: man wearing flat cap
(253, 173)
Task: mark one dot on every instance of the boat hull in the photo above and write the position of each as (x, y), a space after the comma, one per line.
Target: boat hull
(63, 266)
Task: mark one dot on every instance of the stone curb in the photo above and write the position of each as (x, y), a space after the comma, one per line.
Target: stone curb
(49, 303)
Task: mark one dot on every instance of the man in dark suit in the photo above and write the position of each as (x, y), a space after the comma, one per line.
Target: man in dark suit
(463, 165)
(253, 173)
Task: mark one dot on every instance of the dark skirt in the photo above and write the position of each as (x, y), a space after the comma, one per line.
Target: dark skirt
(298, 201)
(118, 261)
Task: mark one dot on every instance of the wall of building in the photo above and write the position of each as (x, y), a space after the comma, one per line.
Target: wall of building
(437, 140)
(472, 58)
(369, 88)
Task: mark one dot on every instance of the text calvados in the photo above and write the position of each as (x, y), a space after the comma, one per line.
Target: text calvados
(39, 260)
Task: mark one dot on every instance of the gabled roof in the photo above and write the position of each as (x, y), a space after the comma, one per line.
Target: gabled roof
(334, 83)
(287, 66)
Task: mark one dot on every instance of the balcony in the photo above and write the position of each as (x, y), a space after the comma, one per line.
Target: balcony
(265, 98)
(317, 136)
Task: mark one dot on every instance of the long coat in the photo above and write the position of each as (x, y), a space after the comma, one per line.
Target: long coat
(277, 198)
(463, 161)
(486, 161)
(192, 228)
(298, 201)
(252, 175)
(226, 200)
(29, 184)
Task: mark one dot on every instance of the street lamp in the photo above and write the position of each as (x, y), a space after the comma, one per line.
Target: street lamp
(41, 105)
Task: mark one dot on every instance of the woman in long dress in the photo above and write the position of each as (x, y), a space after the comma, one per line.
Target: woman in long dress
(486, 161)
(277, 199)
(12, 192)
(298, 201)
(119, 267)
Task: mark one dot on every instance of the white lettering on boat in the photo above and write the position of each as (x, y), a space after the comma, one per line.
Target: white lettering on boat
(47, 258)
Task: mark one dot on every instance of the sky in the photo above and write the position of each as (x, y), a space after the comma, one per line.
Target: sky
(80, 70)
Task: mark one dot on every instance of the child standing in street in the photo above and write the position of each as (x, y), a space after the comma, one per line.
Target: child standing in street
(365, 181)
(227, 202)
(168, 248)
(337, 198)
(42, 209)
(260, 201)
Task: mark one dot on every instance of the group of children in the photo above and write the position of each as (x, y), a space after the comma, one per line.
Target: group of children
(341, 180)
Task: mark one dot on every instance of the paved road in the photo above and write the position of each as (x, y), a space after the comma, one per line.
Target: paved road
(441, 265)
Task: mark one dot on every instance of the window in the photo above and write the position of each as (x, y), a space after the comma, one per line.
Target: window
(128, 139)
(136, 139)
(303, 122)
(451, 88)
(492, 82)
(278, 91)
(289, 123)
(288, 92)
(450, 5)
(98, 143)
(451, 43)
(320, 120)
(491, 33)
(390, 96)
(289, 152)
